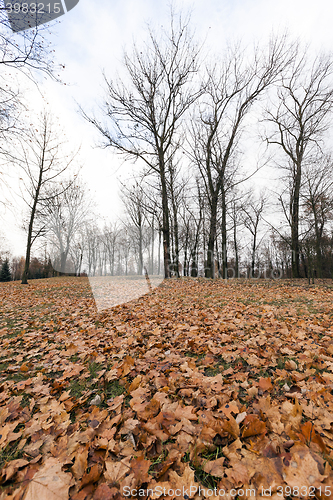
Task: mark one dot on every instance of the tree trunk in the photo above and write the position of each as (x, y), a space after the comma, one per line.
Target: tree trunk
(166, 225)
(31, 223)
(210, 264)
(295, 253)
(236, 250)
(224, 236)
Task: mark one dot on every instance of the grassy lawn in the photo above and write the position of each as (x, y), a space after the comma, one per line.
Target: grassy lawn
(225, 385)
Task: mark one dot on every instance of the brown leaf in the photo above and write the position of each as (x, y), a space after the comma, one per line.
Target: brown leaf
(150, 410)
(103, 492)
(140, 467)
(253, 427)
(116, 471)
(265, 384)
(185, 481)
(238, 474)
(12, 467)
(231, 427)
(49, 483)
(302, 471)
(215, 467)
(80, 464)
(92, 476)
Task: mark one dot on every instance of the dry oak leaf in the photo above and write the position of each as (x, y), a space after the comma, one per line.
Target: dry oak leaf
(274, 420)
(127, 365)
(252, 391)
(185, 412)
(215, 467)
(81, 462)
(238, 474)
(4, 431)
(231, 427)
(154, 429)
(309, 435)
(116, 471)
(103, 492)
(49, 483)
(185, 482)
(229, 408)
(135, 384)
(92, 476)
(3, 414)
(290, 365)
(291, 415)
(129, 426)
(149, 411)
(233, 451)
(253, 426)
(140, 467)
(302, 471)
(265, 384)
(11, 469)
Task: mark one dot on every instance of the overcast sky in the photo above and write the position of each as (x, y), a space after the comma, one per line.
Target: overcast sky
(92, 37)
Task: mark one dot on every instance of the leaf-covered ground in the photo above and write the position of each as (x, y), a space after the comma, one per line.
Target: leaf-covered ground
(226, 386)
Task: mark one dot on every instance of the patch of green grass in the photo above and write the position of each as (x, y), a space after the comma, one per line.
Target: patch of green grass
(77, 387)
(192, 354)
(113, 389)
(94, 368)
(281, 362)
(207, 480)
(10, 452)
(25, 400)
(4, 366)
(211, 372)
(74, 358)
(18, 376)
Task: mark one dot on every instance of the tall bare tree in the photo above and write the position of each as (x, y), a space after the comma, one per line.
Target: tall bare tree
(134, 203)
(231, 89)
(317, 198)
(145, 108)
(39, 155)
(300, 119)
(252, 213)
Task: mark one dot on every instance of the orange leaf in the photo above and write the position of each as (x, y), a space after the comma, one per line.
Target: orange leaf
(265, 384)
(254, 427)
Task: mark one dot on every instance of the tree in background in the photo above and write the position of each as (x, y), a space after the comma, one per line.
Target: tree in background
(5, 274)
(300, 118)
(64, 210)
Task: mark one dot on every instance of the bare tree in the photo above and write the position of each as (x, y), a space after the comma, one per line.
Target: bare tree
(146, 107)
(300, 120)
(134, 203)
(39, 155)
(253, 209)
(64, 211)
(318, 203)
(230, 92)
